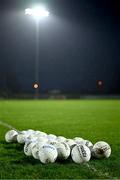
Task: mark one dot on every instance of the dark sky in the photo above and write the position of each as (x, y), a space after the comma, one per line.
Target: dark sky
(79, 44)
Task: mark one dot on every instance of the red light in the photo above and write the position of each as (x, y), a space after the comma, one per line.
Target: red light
(100, 83)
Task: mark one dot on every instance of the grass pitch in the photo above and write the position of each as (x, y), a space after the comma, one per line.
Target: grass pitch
(91, 119)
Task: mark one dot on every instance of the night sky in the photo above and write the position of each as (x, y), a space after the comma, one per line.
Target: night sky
(79, 45)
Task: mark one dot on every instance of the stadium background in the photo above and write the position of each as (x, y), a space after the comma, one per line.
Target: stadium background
(78, 49)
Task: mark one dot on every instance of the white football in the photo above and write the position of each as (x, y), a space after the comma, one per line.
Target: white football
(23, 132)
(71, 143)
(80, 154)
(61, 139)
(42, 139)
(21, 138)
(41, 134)
(31, 136)
(35, 149)
(52, 141)
(30, 131)
(35, 152)
(48, 154)
(78, 140)
(11, 136)
(51, 136)
(28, 148)
(87, 143)
(37, 132)
(63, 150)
(101, 150)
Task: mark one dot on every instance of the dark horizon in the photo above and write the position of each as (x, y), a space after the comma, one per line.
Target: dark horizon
(79, 45)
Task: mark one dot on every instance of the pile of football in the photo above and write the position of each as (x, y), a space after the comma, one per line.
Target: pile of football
(48, 147)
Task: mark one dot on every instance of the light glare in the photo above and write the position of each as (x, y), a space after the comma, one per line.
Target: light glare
(28, 11)
(37, 12)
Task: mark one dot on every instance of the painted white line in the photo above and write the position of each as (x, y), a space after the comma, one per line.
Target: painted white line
(8, 126)
(98, 172)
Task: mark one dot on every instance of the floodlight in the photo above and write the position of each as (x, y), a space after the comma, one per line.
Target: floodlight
(37, 12)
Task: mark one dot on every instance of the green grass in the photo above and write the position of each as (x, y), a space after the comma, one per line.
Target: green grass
(91, 119)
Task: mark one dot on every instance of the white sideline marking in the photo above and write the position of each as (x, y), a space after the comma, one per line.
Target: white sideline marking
(8, 125)
(99, 173)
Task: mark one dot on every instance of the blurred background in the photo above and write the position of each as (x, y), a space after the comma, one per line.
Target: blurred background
(75, 53)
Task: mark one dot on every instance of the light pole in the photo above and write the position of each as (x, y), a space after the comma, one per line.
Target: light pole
(37, 13)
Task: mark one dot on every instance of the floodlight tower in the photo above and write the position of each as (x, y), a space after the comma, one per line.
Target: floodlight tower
(37, 13)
